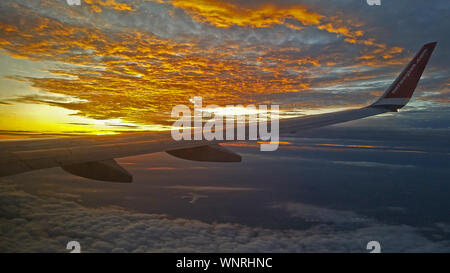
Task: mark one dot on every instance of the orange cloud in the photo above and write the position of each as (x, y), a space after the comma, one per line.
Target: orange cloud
(342, 30)
(96, 5)
(225, 15)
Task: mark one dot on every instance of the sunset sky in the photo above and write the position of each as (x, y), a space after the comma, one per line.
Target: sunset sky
(111, 65)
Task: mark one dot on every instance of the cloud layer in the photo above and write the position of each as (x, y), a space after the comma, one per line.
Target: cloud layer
(46, 223)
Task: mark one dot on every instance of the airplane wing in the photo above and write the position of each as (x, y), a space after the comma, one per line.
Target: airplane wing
(93, 157)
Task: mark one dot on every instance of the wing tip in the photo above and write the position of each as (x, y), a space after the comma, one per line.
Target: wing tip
(431, 44)
(401, 91)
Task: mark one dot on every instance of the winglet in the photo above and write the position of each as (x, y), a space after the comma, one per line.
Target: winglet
(402, 89)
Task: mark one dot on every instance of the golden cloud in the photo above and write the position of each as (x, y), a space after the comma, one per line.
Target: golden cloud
(223, 14)
(138, 76)
(97, 5)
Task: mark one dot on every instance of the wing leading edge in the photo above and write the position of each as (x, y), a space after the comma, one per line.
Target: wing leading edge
(93, 157)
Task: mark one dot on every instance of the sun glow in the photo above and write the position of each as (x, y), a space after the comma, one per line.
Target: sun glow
(67, 77)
